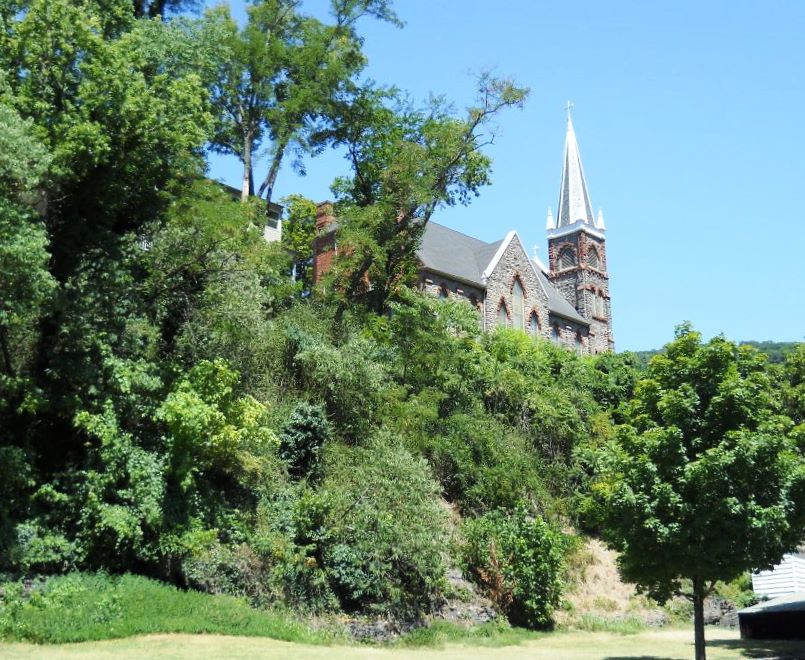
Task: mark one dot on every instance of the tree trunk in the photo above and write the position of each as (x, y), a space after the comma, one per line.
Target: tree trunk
(698, 618)
(8, 367)
(268, 183)
(247, 186)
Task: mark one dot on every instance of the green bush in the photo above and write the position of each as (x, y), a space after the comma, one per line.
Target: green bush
(518, 560)
(302, 438)
(80, 607)
(481, 463)
(385, 530)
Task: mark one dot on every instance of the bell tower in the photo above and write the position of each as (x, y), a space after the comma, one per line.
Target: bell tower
(577, 249)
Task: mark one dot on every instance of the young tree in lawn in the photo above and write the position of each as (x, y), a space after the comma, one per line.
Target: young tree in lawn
(703, 480)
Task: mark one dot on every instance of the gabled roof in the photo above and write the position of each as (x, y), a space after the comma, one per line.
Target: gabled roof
(461, 257)
(457, 255)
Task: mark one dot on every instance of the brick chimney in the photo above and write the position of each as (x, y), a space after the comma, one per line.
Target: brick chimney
(324, 216)
(324, 248)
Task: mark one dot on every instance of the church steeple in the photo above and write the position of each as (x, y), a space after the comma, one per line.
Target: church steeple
(577, 249)
(574, 200)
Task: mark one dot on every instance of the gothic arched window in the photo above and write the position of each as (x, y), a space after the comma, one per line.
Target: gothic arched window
(503, 315)
(567, 258)
(555, 333)
(442, 291)
(533, 323)
(593, 260)
(517, 304)
(578, 343)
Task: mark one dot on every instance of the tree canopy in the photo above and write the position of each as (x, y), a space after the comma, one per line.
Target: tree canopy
(703, 480)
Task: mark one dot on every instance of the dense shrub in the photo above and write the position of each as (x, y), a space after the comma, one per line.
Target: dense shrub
(386, 531)
(302, 439)
(518, 560)
(481, 463)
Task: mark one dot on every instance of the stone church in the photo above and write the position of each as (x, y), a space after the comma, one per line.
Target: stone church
(566, 301)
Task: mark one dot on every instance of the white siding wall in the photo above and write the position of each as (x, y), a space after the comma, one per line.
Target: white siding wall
(786, 578)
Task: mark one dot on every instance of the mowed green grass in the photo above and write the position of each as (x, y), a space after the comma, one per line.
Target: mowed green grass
(661, 645)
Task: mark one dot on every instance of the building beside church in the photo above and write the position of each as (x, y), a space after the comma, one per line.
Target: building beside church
(566, 301)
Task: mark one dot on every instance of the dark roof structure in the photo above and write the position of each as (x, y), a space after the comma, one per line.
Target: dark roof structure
(780, 618)
(465, 258)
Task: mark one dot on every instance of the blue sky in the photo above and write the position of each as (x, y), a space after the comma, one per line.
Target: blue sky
(689, 117)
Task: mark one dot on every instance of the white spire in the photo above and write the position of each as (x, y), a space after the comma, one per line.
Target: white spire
(599, 224)
(550, 223)
(574, 200)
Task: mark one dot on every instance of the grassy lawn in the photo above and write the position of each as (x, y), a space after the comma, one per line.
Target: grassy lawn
(660, 645)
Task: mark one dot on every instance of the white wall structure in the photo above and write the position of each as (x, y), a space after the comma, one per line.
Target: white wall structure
(786, 578)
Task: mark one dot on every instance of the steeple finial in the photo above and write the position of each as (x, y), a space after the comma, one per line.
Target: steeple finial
(550, 223)
(574, 200)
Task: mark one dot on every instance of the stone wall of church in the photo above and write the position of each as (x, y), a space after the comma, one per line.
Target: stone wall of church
(439, 285)
(515, 264)
(570, 334)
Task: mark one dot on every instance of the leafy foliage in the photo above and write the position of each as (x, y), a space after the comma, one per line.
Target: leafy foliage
(703, 481)
(302, 439)
(174, 402)
(82, 607)
(518, 560)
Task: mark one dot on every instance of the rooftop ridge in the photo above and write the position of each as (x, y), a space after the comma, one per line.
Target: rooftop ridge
(461, 233)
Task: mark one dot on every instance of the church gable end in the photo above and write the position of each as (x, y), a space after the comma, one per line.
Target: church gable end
(513, 280)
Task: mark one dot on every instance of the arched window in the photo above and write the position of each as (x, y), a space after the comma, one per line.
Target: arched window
(503, 315)
(578, 344)
(567, 258)
(517, 304)
(533, 323)
(442, 291)
(474, 300)
(593, 259)
(555, 333)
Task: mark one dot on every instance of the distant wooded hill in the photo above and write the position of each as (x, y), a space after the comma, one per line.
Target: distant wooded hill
(777, 351)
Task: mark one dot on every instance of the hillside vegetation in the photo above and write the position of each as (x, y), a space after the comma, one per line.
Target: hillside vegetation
(174, 404)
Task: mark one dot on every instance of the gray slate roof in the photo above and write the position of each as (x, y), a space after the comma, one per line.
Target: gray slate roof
(461, 257)
(452, 253)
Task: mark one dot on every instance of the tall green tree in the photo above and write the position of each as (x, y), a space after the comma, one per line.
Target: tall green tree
(406, 162)
(154, 8)
(278, 75)
(703, 480)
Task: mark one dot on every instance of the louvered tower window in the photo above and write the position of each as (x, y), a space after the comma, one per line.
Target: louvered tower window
(567, 258)
(592, 258)
(517, 304)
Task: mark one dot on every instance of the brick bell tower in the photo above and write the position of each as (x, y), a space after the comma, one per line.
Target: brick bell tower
(577, 249)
